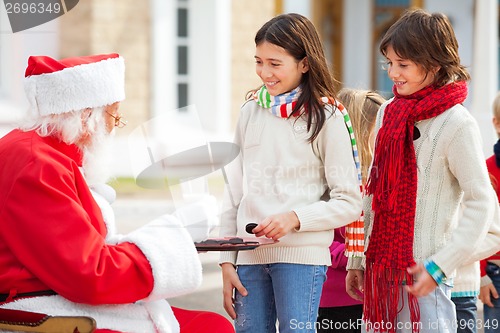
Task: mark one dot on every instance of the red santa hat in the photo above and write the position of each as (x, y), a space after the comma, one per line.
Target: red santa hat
(58, 86)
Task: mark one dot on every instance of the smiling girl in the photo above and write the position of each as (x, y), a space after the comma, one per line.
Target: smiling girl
(296, 150)
(428, 160)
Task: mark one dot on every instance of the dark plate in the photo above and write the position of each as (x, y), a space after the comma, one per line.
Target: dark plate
(232, 244)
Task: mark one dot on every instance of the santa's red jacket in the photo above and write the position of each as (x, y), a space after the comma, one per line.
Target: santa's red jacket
(53, 237)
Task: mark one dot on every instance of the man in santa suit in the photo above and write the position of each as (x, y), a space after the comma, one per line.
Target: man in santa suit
(59, 253)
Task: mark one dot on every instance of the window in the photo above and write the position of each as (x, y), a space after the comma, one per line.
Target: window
(386, 12)
(182, 95)
(182, 60)
(182, 53)
(182, 22)
(392, 3)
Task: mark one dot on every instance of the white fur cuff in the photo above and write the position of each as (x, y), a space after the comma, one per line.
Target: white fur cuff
(172, 255)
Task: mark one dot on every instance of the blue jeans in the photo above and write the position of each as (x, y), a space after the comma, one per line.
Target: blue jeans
(466, 314)
(285, 292)
(492, 315)
(437, 313)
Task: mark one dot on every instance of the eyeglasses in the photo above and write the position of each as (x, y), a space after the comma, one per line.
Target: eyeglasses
(118, 120)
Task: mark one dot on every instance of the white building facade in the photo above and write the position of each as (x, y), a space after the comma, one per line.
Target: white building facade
(199, 53)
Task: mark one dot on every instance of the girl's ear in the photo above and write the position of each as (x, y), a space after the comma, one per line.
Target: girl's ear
(304, 65)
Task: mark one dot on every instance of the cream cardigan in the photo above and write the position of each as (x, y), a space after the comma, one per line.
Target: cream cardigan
(451, 169)
(278, 171)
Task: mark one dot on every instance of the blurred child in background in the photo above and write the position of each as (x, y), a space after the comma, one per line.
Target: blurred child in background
(338, 311)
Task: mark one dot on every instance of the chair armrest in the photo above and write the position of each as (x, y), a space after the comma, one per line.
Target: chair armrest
(16, 320)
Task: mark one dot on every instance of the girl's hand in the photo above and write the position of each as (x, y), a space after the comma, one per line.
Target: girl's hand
(354, 283)
(231, 281)
(424, 283)
(277, 226)
(485, 294)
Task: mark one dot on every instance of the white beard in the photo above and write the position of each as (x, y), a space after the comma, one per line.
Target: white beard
(97, 157)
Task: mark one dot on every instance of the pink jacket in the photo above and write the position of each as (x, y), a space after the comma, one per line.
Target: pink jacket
(334, 293)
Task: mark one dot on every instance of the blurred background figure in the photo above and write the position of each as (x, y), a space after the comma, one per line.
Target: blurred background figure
(490, 267)
(338, 311)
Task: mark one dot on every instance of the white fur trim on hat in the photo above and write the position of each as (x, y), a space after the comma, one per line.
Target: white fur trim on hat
(75, 88)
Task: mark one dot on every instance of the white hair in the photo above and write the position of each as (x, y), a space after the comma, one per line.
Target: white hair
(86, 129)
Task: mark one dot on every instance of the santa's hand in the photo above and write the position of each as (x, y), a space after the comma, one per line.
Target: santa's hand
(199, 218)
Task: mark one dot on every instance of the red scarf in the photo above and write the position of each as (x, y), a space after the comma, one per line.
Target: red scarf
(393, 184)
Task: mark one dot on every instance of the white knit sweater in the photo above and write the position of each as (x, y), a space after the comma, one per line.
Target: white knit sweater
(451, 169)
(278, 171)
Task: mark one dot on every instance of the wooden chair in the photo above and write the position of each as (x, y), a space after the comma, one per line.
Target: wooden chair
(24, 321)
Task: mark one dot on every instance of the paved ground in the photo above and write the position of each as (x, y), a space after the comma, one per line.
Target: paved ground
(131, 213)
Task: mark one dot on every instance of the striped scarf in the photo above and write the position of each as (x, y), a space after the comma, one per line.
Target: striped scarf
(282, 106)
(393, 184)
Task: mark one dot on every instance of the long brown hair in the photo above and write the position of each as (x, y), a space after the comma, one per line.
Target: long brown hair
(429, 41)
(362, 107)
(298, 36)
